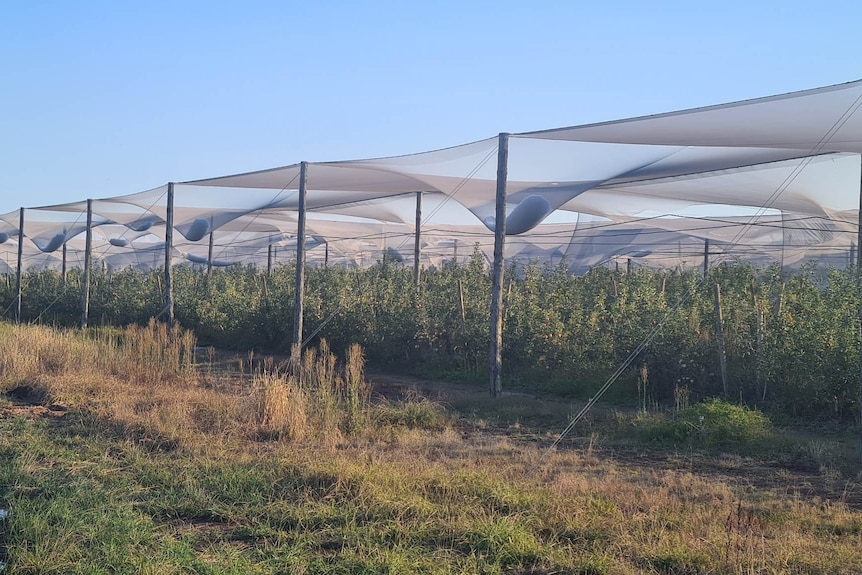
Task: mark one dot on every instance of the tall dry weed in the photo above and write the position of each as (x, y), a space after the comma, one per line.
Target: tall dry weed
(319, 395)
(281, 405)
(31, 351)
(142, 381)
(152, 354)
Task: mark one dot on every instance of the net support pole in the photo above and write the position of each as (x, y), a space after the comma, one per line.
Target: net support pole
(269, 260)
(63, 268)
(417, 239)
(859, 293)
(20, 263)
(705, 258)
(719, 338)
(169, 249)
(326, 254)
(496, 351)
(299, 290)
(88, 260)
(210, 256)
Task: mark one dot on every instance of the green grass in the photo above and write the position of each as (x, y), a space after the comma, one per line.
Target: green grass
(85, 499)
(85, 502)
(128, 477)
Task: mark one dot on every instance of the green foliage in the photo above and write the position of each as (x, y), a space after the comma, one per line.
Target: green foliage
(711, 423)
(791, 340)
(418, 413)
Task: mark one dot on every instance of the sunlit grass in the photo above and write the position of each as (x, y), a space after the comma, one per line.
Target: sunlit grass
(161, 472)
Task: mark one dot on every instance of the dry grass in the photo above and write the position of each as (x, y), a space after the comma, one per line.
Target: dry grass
(282, 406)
(433, 498)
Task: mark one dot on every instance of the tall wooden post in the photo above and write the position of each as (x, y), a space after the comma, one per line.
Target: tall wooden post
(326, 254)
(719, 336)
(20, 263)
(705, 258)
(269, 260)
(210, 256)
(496, 352)
(417, 247)
(88, 257)
(299, 292)
(63, 268)
(169, 249)
(859, 293)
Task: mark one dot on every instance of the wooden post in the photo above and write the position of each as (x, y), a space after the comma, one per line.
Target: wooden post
(20, 263)
(719, 336)
(705, 258)
(299, 292)
(628, 266)
(269, 260)
(210, 257)
(88, 258)
(417, 247)
(859, 293)
(463, 309)
(63, 268)
(169, 249)
(760, 304)
(326, 254)
(496, 352)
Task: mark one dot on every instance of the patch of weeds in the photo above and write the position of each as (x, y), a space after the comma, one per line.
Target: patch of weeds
(677, 562)
(850, 527)
(418, 413)
(508, 540)
(711, 424)
(595, 566)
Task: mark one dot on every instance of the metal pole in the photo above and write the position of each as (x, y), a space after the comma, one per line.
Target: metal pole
(705, 258)
(63, 268)
(417, 248)
(719, 336)
(169, 248)
(269, 260)
(20, 262)
(299, 290)
(326, 254)
(859, 285)
(88, 255)
(210, 256)
(496, 352)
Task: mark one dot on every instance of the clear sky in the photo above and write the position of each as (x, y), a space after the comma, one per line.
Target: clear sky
(103, 98)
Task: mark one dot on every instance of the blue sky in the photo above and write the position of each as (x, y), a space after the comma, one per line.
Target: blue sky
(106, 98)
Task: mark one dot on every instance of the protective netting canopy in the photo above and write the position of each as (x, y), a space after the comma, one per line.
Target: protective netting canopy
(771, 180)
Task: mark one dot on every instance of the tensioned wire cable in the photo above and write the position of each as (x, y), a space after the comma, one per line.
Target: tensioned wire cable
(164, 310)
(688, 294)
(449, 196)
(125, 230)
(257, 213)
(24, 285)
(425, 219)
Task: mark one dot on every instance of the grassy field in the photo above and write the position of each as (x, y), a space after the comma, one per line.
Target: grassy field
(123, 452)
